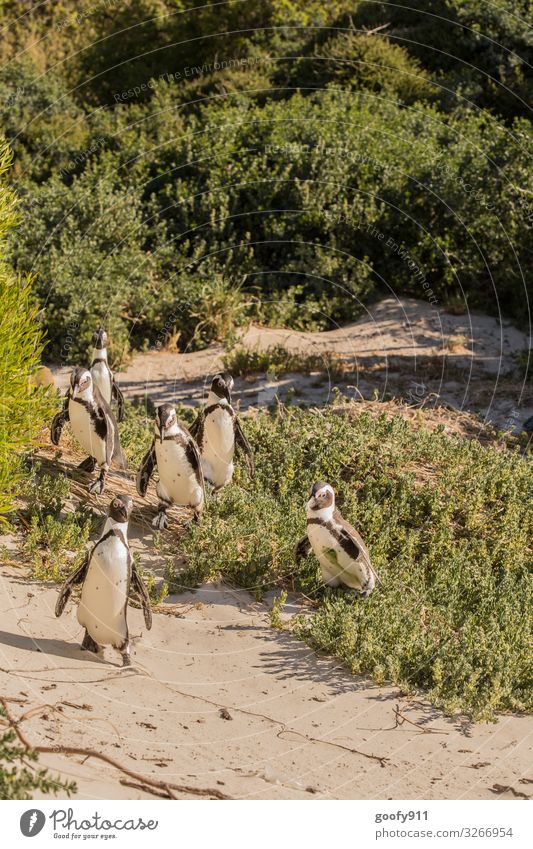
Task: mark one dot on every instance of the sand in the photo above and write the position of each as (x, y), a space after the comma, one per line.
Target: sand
(401, 348)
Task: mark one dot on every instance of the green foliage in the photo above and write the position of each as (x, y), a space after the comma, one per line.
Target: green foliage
(23, 407)
(19, 773)
(449, 527)
(212, 192)
(354, 61)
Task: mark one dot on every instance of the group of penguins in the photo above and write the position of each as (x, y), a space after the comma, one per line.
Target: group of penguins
(186, 459)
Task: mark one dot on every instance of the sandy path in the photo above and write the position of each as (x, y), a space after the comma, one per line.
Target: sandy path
(163, 717)
(402, 348)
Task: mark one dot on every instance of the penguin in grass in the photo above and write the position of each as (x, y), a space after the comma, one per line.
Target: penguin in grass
(108, 575)
(218, 433)
(175, 454)
(102, 375)
(343, 557)
(93, 425)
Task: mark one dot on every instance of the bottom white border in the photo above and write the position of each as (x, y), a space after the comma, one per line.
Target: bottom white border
(272, 824)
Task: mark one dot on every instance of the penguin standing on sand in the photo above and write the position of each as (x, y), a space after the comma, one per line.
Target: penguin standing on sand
(219, 433)
(342, 554)
(108, 575)
(93, 424)
(102, 375)
(178, 462)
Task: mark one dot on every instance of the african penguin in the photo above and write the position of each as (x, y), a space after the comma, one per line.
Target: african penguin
(108, 575)
(342, 554)
(177, 458)
(219, 433)
(93, 424)
(102, 375)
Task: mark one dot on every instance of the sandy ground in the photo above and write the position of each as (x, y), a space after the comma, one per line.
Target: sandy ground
(402, 348)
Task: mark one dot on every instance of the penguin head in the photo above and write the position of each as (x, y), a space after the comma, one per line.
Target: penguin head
(166, 421)
(100, 339)
(321, 497)
(221, 386)
(120, 508)
(80, 381)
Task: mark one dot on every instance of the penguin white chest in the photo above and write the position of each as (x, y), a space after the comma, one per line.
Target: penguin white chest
(102, 608)
(102, 378)
(177, 478)
(334, 561)
(218, 447)
(82, 428)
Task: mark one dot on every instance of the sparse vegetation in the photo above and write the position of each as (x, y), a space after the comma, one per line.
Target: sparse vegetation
(241, 361)
(524, 361)
(56, 538)
(20, 775)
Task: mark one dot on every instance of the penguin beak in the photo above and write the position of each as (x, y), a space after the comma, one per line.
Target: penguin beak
(75, 390)
(161, 431)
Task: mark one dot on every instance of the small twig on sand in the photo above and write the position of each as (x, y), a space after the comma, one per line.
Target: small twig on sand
(164, 786)
(383, 761)
(400, 718)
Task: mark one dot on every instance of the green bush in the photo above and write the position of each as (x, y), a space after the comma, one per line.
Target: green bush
(449, 527)
(23, 407)
(19, 774)
(217, 191)
(354, 61)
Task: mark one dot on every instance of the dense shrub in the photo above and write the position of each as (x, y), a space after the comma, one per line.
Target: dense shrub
(23, 408)
(209, 185)
(354, 61)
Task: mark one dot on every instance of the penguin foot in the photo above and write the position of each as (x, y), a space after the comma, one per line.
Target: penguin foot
(87, 465)
(160, 522)
(88, 644)
(96, 487)
(124, 650)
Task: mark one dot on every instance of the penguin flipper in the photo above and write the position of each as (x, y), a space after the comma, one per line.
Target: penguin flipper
(117, 395)
(196, 427)
(65, 592)
(302, 548)
(58, 422)
(192, 453)
(139, 587)
(146, 470)
(113, 447)
(242, 443)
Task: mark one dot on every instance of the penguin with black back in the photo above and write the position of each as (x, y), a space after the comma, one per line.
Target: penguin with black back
(175, 455)
(93, 425)
(343, 557)
(219, 434)
(102, 375)
(108, 575)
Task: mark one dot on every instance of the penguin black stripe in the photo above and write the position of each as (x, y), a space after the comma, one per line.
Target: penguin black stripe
(345, 542)
(100, 424)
